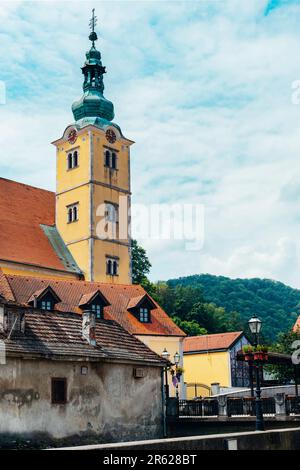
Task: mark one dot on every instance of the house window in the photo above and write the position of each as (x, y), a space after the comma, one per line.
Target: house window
(112, 267)
(72, 160)
(144, 315)
(97, 308)
(110, 159)
(45, 305)
(72, 213)
(58, 391)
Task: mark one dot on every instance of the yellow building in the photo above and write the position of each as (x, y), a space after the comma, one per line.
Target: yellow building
(211, 359)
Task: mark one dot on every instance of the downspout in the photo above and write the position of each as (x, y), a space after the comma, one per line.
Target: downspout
(163, 395)
(91, 215)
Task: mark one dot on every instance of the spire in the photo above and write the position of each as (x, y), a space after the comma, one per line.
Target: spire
(93, 21)
(93, 104)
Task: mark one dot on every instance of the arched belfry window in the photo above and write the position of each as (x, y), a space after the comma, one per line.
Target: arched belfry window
(112, 266)
(70, 161)
(107, 158)
(110, 159)
(114, 160)
(72, 213)
(73, 159)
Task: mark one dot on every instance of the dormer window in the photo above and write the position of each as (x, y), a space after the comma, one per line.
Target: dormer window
(98, 310)
(94, 301)
(111, 159)
(144, 315)
(141, 307)
(46, 305)
(44, 299)
(72, 160)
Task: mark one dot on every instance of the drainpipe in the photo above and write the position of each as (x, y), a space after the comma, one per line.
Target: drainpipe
(164, 404)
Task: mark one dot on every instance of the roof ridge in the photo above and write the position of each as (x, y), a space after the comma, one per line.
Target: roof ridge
(27, 185)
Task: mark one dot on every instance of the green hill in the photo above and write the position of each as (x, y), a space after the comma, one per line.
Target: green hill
(275, 303)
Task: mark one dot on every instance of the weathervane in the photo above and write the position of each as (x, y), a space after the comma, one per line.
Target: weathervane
(93, 22)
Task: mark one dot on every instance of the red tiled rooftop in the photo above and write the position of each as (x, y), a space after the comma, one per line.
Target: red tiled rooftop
(214, 342)
(20, 290)
(22, 209)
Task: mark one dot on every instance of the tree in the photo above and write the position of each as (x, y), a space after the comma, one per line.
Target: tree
(191, 328)
(284, 345)
(140, 264)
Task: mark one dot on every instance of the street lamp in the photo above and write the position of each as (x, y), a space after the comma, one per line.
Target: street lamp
(166, 355)
(176, 362)
(255, 325)
(176, 358)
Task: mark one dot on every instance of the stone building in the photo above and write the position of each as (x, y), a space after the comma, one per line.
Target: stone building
(64, 376)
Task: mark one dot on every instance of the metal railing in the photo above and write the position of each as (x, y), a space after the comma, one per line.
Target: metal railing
(234, 407)
(203, 407)
(292, 405)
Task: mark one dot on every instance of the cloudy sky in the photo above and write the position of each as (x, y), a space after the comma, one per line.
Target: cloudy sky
(205, 88)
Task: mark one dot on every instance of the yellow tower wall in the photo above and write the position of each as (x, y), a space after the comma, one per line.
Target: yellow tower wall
(91, 185)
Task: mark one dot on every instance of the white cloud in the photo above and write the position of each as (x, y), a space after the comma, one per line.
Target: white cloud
(204, 88)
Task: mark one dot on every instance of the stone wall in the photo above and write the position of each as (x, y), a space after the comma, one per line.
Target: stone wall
(107, 403)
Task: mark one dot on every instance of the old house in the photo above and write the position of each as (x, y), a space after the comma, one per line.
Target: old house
(65, 376)
(211, 359)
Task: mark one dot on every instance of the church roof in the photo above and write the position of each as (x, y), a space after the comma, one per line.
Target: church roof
(27, 231)
(70, 292)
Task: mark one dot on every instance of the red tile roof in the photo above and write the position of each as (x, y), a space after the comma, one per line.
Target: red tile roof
(296, 328)
(60, 334)
(20, 290)
(218, 341)
(23, 209)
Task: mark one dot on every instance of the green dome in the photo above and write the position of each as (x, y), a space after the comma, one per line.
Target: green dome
(93, 103)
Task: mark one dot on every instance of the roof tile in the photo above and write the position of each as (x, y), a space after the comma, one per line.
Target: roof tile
(214, 342)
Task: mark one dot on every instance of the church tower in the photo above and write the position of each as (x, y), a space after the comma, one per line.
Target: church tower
(93, 181)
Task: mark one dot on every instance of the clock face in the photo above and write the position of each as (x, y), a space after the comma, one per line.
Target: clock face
(72, 136)
(110, 136)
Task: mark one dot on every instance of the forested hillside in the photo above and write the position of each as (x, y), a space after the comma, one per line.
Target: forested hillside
(275, 303)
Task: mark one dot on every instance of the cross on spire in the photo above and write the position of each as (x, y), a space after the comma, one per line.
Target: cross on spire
(93, 22)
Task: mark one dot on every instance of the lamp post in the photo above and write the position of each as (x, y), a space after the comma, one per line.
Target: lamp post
(176, 362)
(255, 327)
(166, 355)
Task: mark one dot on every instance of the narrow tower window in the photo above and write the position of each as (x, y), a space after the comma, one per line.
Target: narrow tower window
(72, 160)
(107, 158)
(112, 267)
(114, 160)
(72, 213)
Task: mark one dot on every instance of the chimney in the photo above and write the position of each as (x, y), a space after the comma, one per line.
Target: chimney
(89, 326)
(12, 320)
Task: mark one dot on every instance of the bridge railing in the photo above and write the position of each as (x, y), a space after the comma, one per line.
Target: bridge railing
(246, 406)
